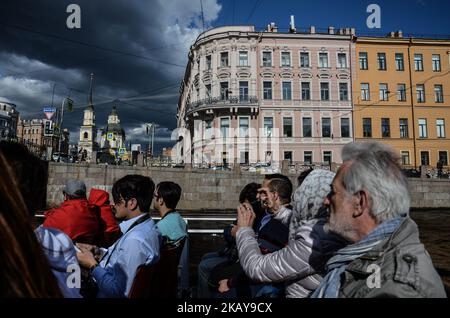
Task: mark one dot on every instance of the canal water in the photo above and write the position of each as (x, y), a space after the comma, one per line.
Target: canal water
(434, 229)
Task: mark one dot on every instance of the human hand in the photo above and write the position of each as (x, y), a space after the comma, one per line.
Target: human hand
(86, 247)
(86, 259)
(223, 286)
(246, 216)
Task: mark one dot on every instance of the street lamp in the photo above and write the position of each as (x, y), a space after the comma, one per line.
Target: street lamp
(151, 131)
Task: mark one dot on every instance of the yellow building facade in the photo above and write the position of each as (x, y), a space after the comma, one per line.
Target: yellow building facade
(401, 94)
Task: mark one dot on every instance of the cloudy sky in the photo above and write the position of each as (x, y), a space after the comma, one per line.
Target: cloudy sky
(137, 49)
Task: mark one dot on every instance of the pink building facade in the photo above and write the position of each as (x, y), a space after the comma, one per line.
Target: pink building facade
(251, 97)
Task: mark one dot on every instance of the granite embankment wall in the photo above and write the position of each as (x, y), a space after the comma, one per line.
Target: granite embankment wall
(207, 189)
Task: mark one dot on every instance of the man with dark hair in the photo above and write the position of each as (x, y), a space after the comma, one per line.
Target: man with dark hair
(139, 244)
(76, 217)
(172, 226)
(275, 196)
(31, 176)
(269, 177)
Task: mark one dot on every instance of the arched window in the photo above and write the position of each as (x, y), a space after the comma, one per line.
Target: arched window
(85, 135)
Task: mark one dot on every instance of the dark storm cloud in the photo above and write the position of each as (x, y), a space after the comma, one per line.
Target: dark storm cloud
(136, 49)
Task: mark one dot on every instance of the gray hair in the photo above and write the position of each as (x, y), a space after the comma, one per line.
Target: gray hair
(375, 168)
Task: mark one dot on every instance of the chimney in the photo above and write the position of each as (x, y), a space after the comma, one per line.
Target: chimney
(312, 29)
(330, 30)
(292, 25)
(273, 27)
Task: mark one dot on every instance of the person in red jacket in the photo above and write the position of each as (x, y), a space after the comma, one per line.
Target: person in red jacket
(75, 217)
(109, 230)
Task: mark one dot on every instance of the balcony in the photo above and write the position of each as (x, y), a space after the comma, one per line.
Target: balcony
(218, 103)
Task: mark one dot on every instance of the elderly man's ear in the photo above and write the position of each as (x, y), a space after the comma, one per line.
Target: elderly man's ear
(360, 203)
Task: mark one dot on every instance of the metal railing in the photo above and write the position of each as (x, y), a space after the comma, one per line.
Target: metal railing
(222, 101)
(188, 220)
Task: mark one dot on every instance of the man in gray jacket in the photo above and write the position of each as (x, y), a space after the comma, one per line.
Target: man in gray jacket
(369, 203)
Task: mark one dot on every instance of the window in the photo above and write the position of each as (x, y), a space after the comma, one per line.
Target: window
(438, 94)
(267, 59)
(423, 128)
(436, 58)
(420, 90)
(418, 62)
(405, 158)
(365, 91)
(307, 157)
(367, 127)
(381, 58)
(384, 92)
(345, 127)
(243, 127)
(306, 91)
(287, 127)
(343, 92)
(224, 59)
(342, 60)
(208, 90)
(243, 91)
(287, 91)
(440, 125)
(326, 127)
(443, 158)
(85, 135)
(307, 127)
(363, 61)
(224, 127)
(208, 129)
(244, 157)
(288, 156)
(268, 126)
(324, 91)
(404, 128)
(243, 58)
(399, 62)
(401, 92)
(385, 127)
(304, 59)
(323, 60)
(285, 59)
(267, 90)
(424, 158)
(208, 62)
(327, 157)
(224, 90)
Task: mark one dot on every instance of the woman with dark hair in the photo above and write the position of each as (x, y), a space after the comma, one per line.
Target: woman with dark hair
(25, 271)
